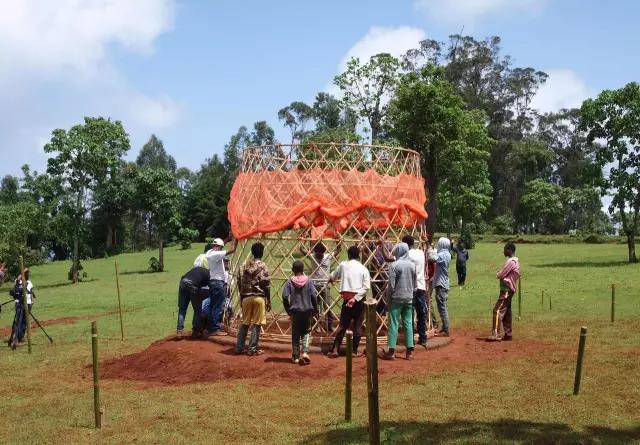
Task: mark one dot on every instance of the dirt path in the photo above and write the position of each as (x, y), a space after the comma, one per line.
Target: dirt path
(175, 362)
(63, 320)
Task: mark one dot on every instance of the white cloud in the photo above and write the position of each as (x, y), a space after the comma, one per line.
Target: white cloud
(563, 89)
(56, 66)
(466, 12)
(379, 39)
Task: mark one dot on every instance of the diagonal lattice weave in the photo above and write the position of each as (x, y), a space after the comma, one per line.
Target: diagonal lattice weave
(290, 197)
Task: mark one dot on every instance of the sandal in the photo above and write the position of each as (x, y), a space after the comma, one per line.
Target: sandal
(306, 359)
(256, 352)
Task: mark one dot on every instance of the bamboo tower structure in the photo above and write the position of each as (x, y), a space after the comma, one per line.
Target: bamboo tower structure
(292, 197)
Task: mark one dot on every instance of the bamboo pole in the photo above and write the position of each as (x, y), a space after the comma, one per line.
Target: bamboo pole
(578, 379)
(372, 375)
(119, 301)
(96, 382)
(25, 306)
(549, 302)
(348, 378)
(542, 299)
(519, 297)
(613, 303)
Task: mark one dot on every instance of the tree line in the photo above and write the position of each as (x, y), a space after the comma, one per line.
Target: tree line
(490, 161)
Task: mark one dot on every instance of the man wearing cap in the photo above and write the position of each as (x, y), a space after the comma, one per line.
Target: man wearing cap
(215, 260)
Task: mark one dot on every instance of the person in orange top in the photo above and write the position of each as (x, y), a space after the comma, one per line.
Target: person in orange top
(508, 276)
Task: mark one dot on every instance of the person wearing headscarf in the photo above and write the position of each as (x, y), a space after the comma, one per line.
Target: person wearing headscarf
(402, 285)
(442, 258)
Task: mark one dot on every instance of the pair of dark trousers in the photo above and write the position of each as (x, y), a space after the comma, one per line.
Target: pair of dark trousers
(217, 295)
(420, 304)
(21, 321)
(254, 339)
(188, 293)
(461, 270)
(348, 314)
(300, 330)
(502, 314)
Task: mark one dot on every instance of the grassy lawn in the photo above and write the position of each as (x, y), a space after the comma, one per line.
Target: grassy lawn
(46, 397)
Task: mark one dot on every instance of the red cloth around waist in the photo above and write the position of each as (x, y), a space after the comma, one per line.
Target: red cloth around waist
(346, 295)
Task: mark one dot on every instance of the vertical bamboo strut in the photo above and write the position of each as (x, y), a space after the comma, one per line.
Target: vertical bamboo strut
(119, 301)
(578, 379)
(372, 375)
(348, 378)
(25, 306)
(613, 303)
(96, 382)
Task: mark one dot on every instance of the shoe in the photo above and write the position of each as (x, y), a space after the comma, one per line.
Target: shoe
(219, 334)
(205, 334)
(255, 352)
(494, 337)
(409, 354)
(507, 338)
(442, 333)
(196, 335)
(295, 360)
(356, 354)
(306, 359)
(390, 355)
(332, 354)
(422, 342)
(179, 333)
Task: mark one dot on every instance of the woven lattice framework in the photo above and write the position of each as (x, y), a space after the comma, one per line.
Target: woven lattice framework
(296, 242)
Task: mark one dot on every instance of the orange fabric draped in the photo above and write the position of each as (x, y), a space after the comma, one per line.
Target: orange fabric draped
(330, 201)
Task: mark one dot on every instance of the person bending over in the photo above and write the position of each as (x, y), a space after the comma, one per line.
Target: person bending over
(355, 281)
(508, 276)
(189, 292)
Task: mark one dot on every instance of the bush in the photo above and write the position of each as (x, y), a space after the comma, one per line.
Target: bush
(502, 225)
(186, 236)
(154, 265)
(467, 238)
(594, 238)
(81, 273)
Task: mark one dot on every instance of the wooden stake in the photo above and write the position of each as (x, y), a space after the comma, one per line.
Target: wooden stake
(549, 302)
(519, 297)
(96, 382)
(372, 375)
(613, 303)
(542, 299)
(578, 379)
(25, 306)
(348, 377)
(119, 301)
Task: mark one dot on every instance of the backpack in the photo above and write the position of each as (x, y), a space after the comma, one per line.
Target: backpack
(16, 292)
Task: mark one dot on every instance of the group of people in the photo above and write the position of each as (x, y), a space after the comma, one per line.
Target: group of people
(411, 276)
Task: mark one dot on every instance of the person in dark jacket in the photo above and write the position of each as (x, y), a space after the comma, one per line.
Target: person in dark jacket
(188, 292)
(462, 256)
(300, 300)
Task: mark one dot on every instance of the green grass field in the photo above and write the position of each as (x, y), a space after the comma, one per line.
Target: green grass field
(46, 397)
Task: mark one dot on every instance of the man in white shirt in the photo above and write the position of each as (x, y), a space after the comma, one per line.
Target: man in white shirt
(355, 281)
(417, 257)
(215, 261)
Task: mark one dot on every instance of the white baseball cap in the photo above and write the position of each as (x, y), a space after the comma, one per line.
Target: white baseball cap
(218, 242)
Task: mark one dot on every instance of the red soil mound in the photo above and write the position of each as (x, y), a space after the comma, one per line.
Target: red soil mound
(175, 362)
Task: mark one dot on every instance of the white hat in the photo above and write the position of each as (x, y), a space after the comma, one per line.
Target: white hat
(218, 242)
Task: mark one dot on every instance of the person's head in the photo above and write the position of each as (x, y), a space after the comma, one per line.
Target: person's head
(297, 267)
(408, 240)
(461, 245)
(319, 249)
(207, 247)
(509, 249)
(218, 244)
(226, 262)
(353, 253)
(444, 244)
(257, 250)
(27, 273)
(400, 250)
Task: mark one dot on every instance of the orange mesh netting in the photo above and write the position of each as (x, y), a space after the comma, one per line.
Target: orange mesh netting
(331, 201)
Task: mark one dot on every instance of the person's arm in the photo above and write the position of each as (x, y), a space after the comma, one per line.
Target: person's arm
(286, 295)
(234, 247)
(432, 255)
(385, 253)
(265, 284)
(506, 269)
(392, 280)
(304, 251)
(267, 297)
(314, 297)
(336, 274)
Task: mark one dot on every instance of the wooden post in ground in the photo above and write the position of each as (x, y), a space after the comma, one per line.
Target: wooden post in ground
(372, 374)
(348, 377)
(542, 299)
(119, 301)
(25, 306)
(578, 379)
(519, 297)
(613, 303)
(96, 382)
(549, 302)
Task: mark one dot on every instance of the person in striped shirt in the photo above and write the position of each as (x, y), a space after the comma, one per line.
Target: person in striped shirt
(508, 276)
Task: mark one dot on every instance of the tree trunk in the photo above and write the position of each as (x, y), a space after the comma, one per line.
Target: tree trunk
(161, 252)
(631, 244)
(432, 204)
(76, 249)
(109, 241)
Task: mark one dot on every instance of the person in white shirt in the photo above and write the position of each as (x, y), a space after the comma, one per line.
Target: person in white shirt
(321, 262)
(355, 281)
(215, 260)
(20, 326)
(417, 257)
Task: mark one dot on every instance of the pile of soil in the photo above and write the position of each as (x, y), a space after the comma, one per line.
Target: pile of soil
(181, 361)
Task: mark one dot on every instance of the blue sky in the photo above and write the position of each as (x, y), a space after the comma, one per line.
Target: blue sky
(192, 72)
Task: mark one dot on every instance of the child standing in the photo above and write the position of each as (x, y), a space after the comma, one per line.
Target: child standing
(301, 302)
(508, 276)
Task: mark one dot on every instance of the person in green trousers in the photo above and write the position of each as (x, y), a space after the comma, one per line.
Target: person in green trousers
(402, 284)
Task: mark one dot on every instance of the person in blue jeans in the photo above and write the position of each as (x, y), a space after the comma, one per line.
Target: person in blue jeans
(215, 259)
(188, 292)
(442, 258)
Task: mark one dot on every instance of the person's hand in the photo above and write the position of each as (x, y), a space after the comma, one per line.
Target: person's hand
(351, 302)
(268, 306)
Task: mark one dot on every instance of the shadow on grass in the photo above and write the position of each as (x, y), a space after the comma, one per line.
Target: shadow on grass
(462, 431)
(69, 283)
(578, 264)
(138, 272)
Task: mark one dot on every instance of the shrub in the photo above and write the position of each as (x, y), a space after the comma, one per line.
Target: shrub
(186, 236)
(467, 238)
(594, 238)
(81, 273)
(154, 265)
(502, 225)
